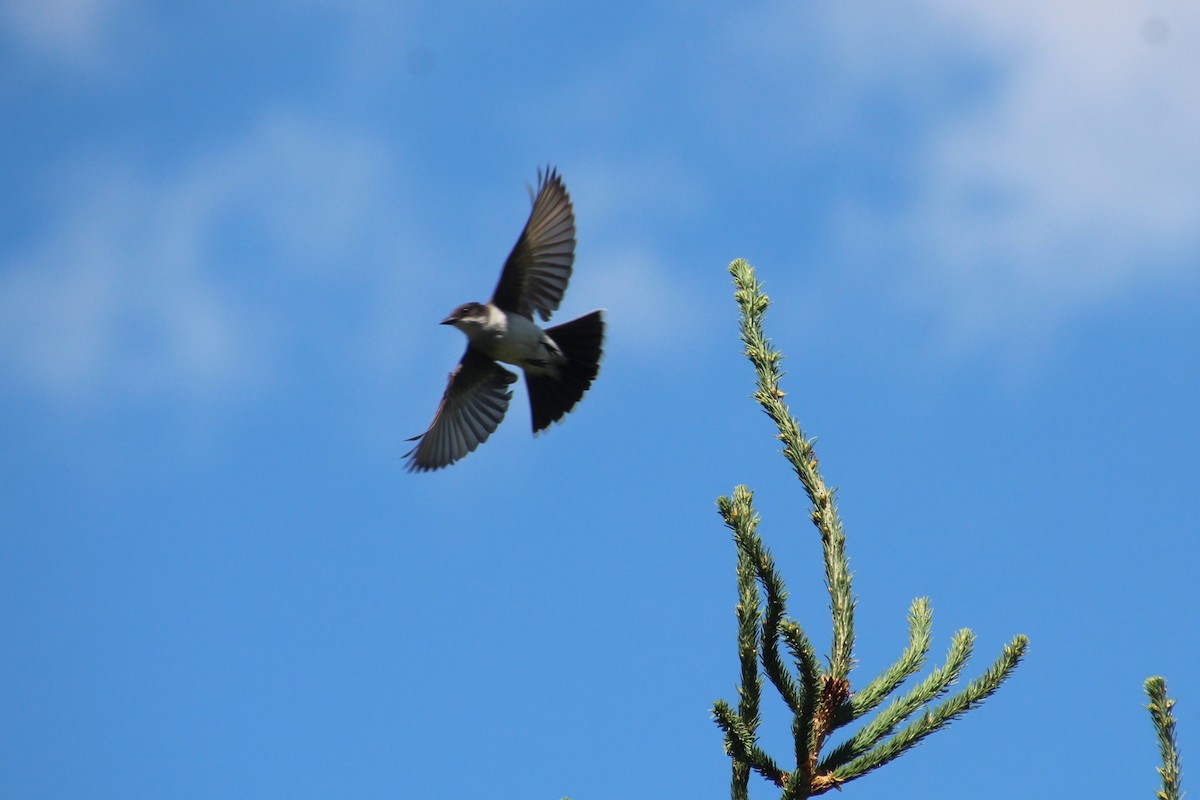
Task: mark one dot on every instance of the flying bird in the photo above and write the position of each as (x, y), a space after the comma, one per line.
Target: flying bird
(559, 363)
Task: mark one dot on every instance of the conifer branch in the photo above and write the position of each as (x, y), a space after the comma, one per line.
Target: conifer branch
(1164, 724)
(808, 667)
(902, 708)
(799, 451)
(739, 516)
(920, 626)
(740, 741)
(820, 699)
(976, 692)
(773, 664)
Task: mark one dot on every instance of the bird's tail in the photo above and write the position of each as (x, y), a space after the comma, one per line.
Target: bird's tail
(580, 340)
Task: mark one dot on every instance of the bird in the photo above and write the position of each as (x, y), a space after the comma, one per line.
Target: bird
(559, 363)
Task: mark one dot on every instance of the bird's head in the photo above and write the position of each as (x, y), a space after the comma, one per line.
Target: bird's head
(468, 317)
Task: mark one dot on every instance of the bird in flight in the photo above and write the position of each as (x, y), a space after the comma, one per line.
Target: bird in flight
(559, 363)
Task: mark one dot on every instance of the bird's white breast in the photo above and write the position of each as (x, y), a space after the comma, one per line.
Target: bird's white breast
(511, 338)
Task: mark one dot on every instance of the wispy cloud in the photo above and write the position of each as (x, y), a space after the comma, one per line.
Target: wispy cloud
(1040, 158)
(69, 30)
(1077, 181)
(169, 285)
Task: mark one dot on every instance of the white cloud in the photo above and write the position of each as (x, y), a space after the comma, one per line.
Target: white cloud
(137, 288)
(1047, 161)
(70, 29)
(1079, 180)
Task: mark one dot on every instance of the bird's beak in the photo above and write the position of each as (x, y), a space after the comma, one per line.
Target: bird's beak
(447, 321)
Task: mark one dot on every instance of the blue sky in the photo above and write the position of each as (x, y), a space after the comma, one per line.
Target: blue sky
(228, 232)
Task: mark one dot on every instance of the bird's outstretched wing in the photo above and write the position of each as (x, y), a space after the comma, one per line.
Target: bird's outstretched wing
(539, 266)
(476, 398)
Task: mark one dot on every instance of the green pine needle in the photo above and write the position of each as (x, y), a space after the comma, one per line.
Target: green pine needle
(1164, 724)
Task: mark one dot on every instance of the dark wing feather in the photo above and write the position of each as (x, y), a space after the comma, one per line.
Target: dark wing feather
(475, 400)
(539, 266)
